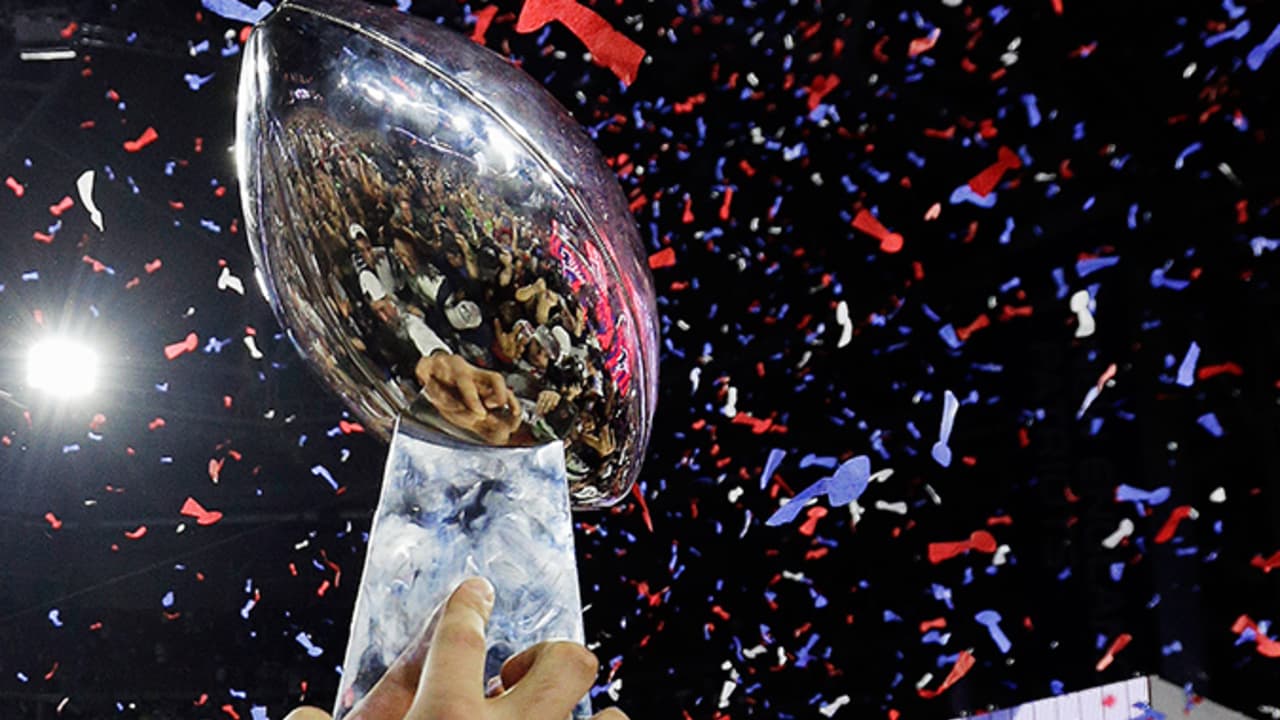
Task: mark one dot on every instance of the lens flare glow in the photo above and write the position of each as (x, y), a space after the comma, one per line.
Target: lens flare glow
(62, 367)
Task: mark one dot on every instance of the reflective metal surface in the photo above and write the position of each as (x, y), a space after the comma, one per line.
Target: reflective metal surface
(443, 242)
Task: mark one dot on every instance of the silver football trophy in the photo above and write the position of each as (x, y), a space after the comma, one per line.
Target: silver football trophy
(450, 253)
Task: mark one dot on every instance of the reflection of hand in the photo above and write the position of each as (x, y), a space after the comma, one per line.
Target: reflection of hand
(547, 401)
(471, 398)
(440, 676)
(603, 442)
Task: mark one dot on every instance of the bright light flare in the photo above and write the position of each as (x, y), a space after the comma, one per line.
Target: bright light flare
(62, 367)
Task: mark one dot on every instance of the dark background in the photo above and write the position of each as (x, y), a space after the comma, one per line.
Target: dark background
(708, 613)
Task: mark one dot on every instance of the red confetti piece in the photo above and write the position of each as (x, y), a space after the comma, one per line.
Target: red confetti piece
(42, 237)
(193, 509)
(136, 534)
(609, 48)
(980, 322)
(347, 428)
(15, 186)
(484, 18)
(984, 182)
(1178, 514)
(1266, 565)
(922, 45)
(1057, 7)
(97, 265)
(153, 266)
(1208, 371)
(980, 540)
(890, 242)
(664, 258)
(65, 204)
(1117, 645)
(53, 520)
(66, 32)
(963, 664)
(724, 207)
(644, 506)
(156, 424)
(147, 137)
(215, 469)
(813, 515)
(231, 711)
(934, 624)
(188, 345)
(821, 86)
(52, 671)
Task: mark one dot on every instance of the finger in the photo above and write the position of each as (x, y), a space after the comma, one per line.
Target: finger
(557, 678)
(393, 694)
(307, 713)
(470, 394)
(517, 666)
(455, 660)
(612, 713)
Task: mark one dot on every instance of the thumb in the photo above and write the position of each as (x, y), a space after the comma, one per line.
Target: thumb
(307, 713)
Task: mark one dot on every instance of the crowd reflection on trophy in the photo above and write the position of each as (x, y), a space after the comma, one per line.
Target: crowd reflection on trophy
(473, 310)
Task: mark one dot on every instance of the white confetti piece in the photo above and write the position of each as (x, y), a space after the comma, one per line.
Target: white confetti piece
(250, 343)
(227, 281)
(899, 508)
(1081, 305)
(84, 184)
(846, 327)
(1114, 539)
(1218, 496)
(830, 709)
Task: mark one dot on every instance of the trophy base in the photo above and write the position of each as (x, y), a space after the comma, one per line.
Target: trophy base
(450, 511)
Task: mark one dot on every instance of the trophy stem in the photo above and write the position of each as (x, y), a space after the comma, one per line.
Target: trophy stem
(450, 511)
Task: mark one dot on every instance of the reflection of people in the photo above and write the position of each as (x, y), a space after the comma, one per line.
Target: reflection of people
(440, 676)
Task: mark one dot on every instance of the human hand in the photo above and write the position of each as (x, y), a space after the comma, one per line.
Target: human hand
(440, 676)
(470, 397)
(547, 401)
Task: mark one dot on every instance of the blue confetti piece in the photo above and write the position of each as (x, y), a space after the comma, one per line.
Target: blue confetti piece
(1187, 151)
(1187, 370)
(846, 485)
(1260, 245)
(991, 619)
(948, 334)
(850, 480)
(1172, 648)
(1007, 235)
(1033, 112)
(54, 617)
(771, 465)
(1089, 266)
(305, 641)
(322, 471)
(1060, 279)
(1117, 571)
(1210, 423)
(941, 451)
(1128, 493)
(1236, 33)
(964, 193)
(195, 82)
(1148, 712)
(1260, 53)
(1160, 280)
(942, 594)
(1233, 11)
(167, 600)
(233, 10)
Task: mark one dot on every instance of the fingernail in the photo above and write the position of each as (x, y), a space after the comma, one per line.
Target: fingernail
(482, 589)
